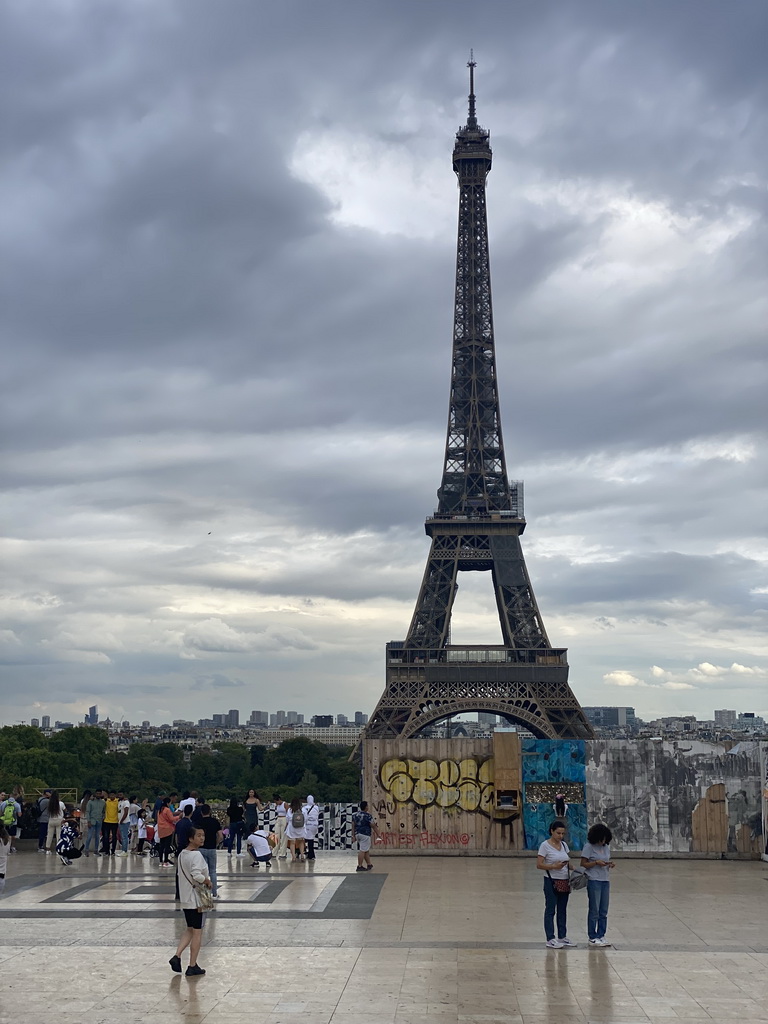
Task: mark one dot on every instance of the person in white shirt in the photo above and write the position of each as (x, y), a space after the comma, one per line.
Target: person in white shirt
(554, 858)
(123, 823)
(281, 810)
(188, 798)
(311, 823)
(193, 871)
(258, 846)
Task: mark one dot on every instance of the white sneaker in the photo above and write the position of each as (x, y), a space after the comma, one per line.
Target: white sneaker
(598, 942)
(554, 944)
(567, 942)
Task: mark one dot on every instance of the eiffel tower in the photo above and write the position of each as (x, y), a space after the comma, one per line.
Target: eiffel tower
(476, 528)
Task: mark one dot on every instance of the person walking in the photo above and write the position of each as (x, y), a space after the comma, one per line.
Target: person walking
(294, 829)
(111, 819)
(94, 822)
(596, 859)
(311, 824)
(235, 814)
(193, 873)
(82, 818)
(554, 859)
(212, 830)
(5, 849)
(362, 826)
(10, 812)
(56, 814)
(252, 805)
(281, 817)
(166, 825)
(42, 821)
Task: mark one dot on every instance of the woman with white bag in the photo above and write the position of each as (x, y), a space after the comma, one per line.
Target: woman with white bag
(194, 886)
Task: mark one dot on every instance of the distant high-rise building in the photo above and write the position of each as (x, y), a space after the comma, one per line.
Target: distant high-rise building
(126, 724)
(219, 720)
(92, 718)
(35, 723)
(486, 718)
(233, 719)
(259, 718)
(46, 721)
(361, 718)
(145, 724)
(291, 718)
(725, 719)
(611, 718)
(322, 721)
(342, 720)
(749, 720)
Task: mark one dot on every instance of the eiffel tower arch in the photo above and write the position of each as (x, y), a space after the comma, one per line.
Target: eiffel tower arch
(476, 528)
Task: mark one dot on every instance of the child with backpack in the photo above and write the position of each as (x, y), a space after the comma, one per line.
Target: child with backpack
(295, 829)
(10, 812)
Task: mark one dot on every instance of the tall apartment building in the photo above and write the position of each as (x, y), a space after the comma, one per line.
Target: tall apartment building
(46, 723)
(361, 718)
(725, 719)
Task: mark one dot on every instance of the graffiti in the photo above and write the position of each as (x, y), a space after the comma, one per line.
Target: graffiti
(465, 785)
(425, 839)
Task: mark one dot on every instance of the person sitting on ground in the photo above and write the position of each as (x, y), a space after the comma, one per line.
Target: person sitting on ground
(258, 846)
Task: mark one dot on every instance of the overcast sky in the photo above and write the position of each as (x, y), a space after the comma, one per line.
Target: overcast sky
(227, 234)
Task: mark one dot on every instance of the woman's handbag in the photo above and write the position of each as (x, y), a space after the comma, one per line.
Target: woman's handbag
(578, 879)
(203, 895)
(562, 885)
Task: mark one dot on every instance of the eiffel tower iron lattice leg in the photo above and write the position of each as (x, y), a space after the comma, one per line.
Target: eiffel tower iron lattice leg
(477, 528)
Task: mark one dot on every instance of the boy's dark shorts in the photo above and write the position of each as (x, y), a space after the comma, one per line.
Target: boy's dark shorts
(194, 918)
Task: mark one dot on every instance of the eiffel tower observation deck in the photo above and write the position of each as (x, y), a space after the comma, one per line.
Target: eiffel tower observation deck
(476, 528)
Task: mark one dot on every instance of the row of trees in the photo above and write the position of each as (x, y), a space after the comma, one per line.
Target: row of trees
(80, 759)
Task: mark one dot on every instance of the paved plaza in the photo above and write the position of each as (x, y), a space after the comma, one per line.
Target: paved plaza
(419, 940)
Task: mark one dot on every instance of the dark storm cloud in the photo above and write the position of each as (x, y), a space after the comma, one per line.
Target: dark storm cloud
(226, 331)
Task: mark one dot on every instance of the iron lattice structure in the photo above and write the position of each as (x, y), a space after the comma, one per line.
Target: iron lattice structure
(476, 527)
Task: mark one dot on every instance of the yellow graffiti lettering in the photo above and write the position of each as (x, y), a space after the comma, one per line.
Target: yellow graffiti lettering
(423, 769)
(469, 796)
(401, 787)
(468, 769)
(449, 774)
(391, 768)
(424, 792)
(447, 796)
(486, 771)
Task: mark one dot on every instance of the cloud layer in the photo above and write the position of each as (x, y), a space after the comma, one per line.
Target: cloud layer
(228, 239)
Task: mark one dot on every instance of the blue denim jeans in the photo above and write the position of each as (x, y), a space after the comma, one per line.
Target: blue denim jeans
(554, 902)
(94, 833)
(597, 915)
(210, 859)
(125, 832)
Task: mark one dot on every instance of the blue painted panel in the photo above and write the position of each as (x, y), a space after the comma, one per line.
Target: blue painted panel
(550, 766)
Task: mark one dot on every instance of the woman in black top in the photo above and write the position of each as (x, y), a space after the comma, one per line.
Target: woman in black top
(235, 815)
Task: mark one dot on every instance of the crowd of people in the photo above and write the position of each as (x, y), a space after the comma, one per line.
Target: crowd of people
(108, 823)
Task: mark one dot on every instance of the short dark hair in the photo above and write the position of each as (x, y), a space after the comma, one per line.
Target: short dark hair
(599, 834)
(205, 810)
(363, 804)
(557, 823)
(188, 810)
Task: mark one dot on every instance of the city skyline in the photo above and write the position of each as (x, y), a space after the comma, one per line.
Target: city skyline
(226, 420)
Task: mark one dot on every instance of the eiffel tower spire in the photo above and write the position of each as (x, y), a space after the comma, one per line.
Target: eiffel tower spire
(476, 526)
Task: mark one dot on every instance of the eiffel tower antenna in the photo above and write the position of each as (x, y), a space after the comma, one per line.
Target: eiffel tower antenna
(476, 527)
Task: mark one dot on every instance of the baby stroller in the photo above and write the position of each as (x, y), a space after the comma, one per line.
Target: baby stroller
(151, 844)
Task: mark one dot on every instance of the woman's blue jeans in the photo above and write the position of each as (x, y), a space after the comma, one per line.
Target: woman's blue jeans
(554, 903)
(597, 915)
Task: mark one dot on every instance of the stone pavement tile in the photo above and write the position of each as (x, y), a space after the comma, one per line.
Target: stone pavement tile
(734, 1009)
